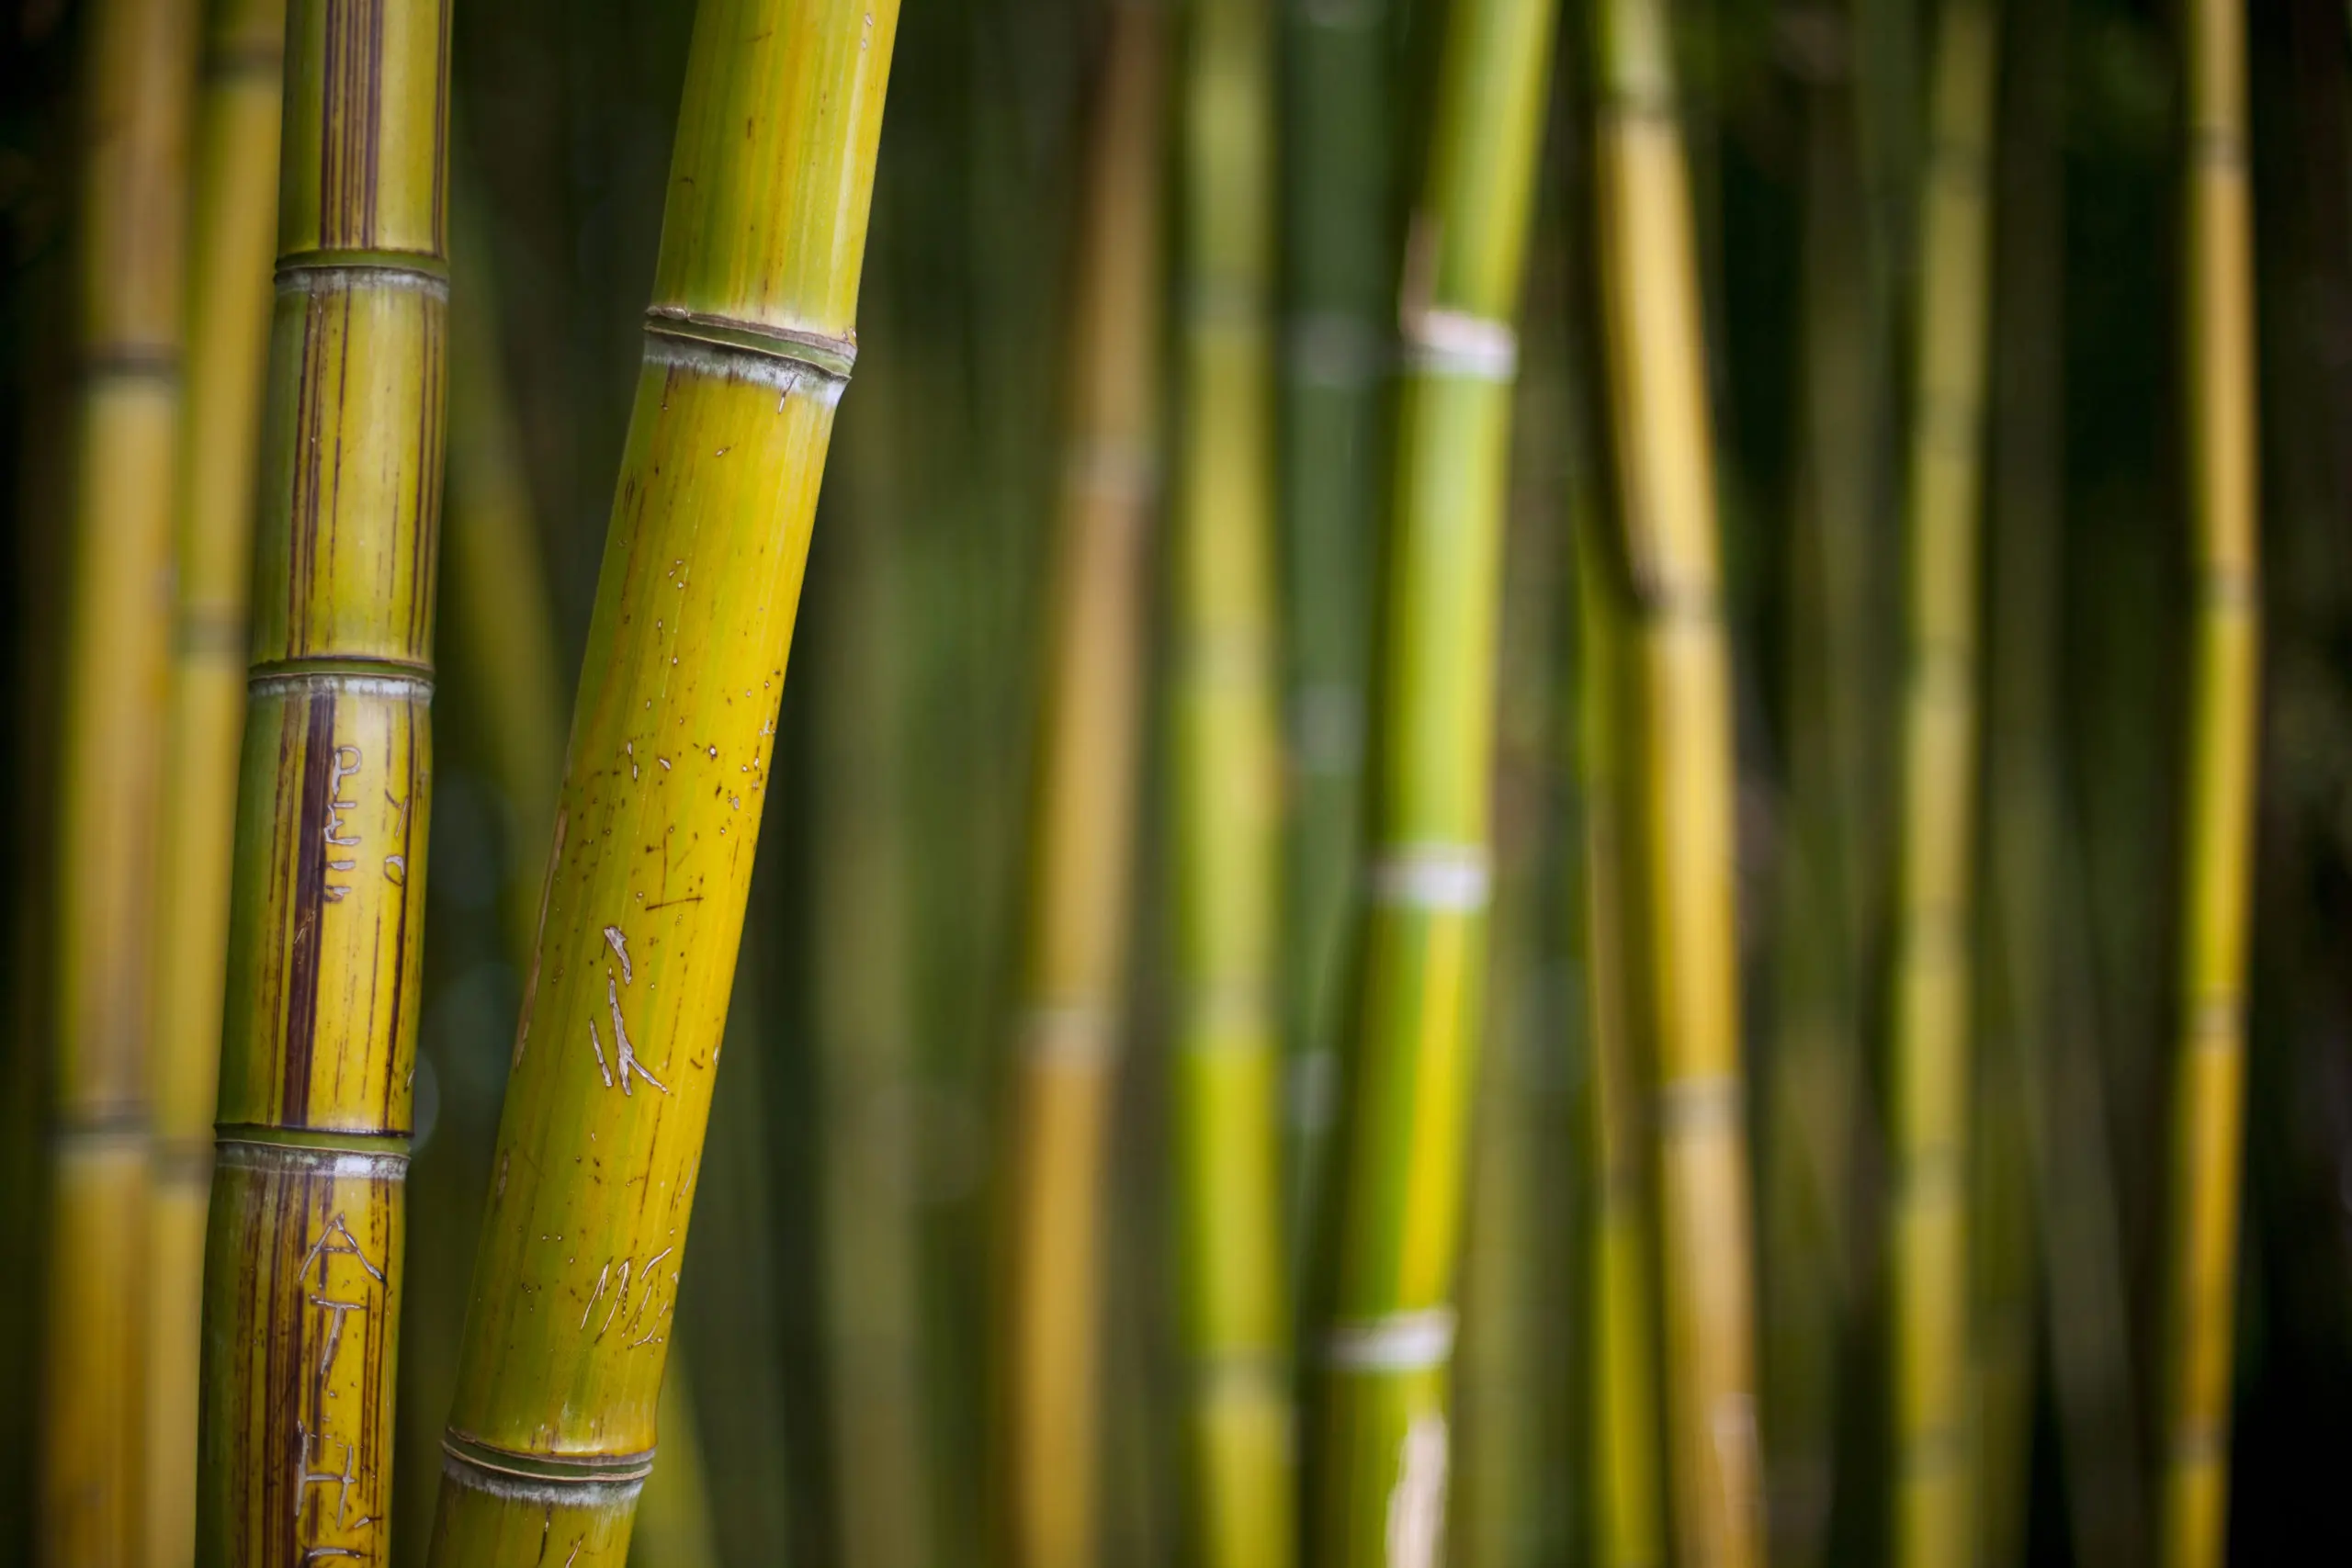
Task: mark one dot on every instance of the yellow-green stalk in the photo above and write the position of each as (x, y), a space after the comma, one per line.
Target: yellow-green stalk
(233, 230)
(1379, 1445)
(1931, 1428)
(127, 342)
(1629, 1506)
(749, 344)
(1081, 832)
(2209, 1075)
(304, 1254)
(1225, 709)
(1680, 784)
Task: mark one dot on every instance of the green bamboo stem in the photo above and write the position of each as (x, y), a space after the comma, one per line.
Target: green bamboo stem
(2210, 1067)
(1681, 778)
(1227, 796)
(232, 230)
(1629, 1518)
(304, 1254)
(127, 342)
(1337, 260)
(1377, 1439)
(1931, 1072)
(1081, 830)
(748, 347)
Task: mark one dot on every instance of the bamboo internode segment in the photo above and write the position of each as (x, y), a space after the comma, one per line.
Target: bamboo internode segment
(1225, 750)
(748, 342)
(303, 1253)
(1082, 832)
(1931, 1075)
(1681, 780)
(2209, 1072)
(126, 345)
(1378, 1442)
(231, 225)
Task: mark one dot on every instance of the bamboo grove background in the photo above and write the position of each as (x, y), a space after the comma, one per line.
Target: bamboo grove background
(1871, 419)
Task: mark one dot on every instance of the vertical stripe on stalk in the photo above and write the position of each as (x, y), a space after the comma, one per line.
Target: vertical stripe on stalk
(317, 1042)
(748, 347)
(1685, 1001)
(2208, 1072)
(1377, 1443)
(125, 339)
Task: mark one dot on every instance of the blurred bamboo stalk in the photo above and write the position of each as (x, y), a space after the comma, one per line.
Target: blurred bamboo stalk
(1226, 753)
(748, 347)
(1682, 779)
(2209, 1068)
(233, 209)
(1379, 1445)
(303, 1258)
(1836, 557)
(1081, 832)
(1931, 1075)
(140, 77)
(674, 1515)
(1337, 262)
(1629, 1501)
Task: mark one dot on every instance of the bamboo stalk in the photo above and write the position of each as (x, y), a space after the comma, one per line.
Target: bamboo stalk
(1629, 1506)
(2209, 1068)
(1682, 779)
(141, 76)
(1377, 1440)
(1081, 832)
(1337, 249)
(748, 347)
(234, 203)
(1930, 1073)
(1225, 709)
(303, 1254)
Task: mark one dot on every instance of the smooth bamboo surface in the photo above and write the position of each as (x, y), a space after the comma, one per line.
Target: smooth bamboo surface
(1081, 830)
(232, 229)
(1680, 783)
(1337, 265)
(1930, 1071)
(1377, 1440)
(2209, 1075)
(1224, 711)
(1629, 1503)
(749, 344)
(126, 343)
(303, 1252)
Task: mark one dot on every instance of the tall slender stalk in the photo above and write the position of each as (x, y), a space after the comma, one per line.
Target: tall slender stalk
(234, 207)
(140, 75)
(1227, 796)
(1082, 830)
(1930, 1071)
(1336, 261)
(2208, 1071)
(1377, 1439)
(748, 347)
(1629, 1506)
(1682, 778)
(303, 1254)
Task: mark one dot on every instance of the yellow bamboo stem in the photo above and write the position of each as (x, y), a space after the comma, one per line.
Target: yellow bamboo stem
(1682, 777)
(1083, 828)
(141, 76)
(303, 1252)
(749, 344)
(1226, 752)
(1930, 1076)
(233, 226)
(2209, 1069)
